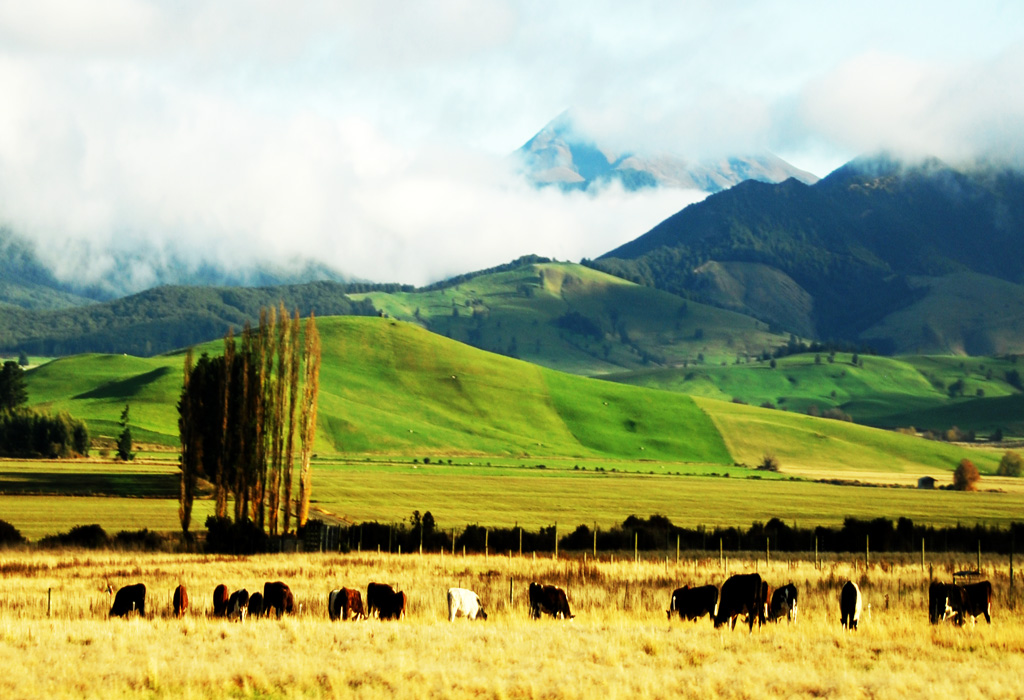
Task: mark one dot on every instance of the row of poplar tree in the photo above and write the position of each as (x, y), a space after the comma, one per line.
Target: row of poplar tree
(240, 416)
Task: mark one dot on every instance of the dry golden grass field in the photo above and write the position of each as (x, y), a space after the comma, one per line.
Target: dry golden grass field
(619, 646)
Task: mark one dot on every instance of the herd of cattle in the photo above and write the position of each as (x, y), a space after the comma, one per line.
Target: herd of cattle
(741, 594)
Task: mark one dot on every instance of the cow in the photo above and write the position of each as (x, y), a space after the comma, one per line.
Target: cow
(238, 604)
(464, 603)
(220, 601)
(256, 605)
(277, 596)
(946, 600)
(742, 593)
(385, 602)
(978, 600)
(694, 603)
(849, 605)
(783, 603)
(180, 600)
(128, 600)
(550, 600)
(346, 604)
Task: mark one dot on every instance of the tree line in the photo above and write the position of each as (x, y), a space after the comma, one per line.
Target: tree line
(241, 416)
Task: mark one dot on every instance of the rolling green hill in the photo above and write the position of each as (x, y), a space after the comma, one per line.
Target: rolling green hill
(575, 319)
(878, 391)
(392, 388)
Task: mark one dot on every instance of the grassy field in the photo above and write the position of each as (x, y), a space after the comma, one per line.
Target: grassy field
(619, 645)
(51, 497)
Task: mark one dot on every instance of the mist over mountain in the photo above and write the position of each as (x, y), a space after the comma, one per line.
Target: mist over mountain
(563, 154)
(902, 257)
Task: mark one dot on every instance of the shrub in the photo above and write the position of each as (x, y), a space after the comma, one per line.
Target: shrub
(226, 537)
(769, 462)
(966, 476)
(85, 536)
(1010, 464)
(9, 534)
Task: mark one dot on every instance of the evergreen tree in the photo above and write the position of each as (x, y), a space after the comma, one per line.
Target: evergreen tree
(124, 440)
(13, 390)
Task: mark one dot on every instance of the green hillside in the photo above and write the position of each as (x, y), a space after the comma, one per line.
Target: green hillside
(575, 319)
(878, 391)
(392, 388)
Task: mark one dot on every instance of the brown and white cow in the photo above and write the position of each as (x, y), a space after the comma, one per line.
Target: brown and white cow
(238, 604)
(850, 605)
(180, 600)
(742, 593)
(128, 600)
(346, 604)
(278, 597)
(550, 600)
(464, 603)
(220, 600)
(694, 603)
(946, 601)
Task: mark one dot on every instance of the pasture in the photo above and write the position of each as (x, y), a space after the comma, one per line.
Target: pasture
(46, 497)
(619, 645)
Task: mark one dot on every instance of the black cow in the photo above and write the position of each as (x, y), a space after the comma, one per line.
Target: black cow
(256, 605)
(978, 600)
(694, 603)
(238, 604)
(180, 600)
(220, 601)
(385, 602)
(278, 597)
(742, 593)
(850, 605)
(550, 600)
(127, 600)
(346, 604)
(783, 603)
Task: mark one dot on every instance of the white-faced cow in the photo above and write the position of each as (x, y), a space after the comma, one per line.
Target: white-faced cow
(742, 593)
(550, 600)
(220, 601)
(278, 597)
(946, 601)
(694, 603)
(345, 604)
(464, 603)
(128, 600)
(180, 600)
(783, 603)
(382, 600)
(850, 605)
(238, 604)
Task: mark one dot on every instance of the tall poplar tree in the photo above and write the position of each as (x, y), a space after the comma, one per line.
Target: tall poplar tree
(190, 453)
(307, 417)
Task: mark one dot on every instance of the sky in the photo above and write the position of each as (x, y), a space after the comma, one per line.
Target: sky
(374, 137)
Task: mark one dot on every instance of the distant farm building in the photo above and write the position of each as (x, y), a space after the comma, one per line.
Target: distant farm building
(926, 482)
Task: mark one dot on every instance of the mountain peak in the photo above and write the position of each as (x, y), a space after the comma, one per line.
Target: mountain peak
(565, 155)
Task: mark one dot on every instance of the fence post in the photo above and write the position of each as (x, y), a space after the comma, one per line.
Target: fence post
(636, 546)
(817, 563)
(979, 556)
(721, 555)
(49, 594)
(453, 541)
(487, 540)
(867, 551)
(556, 540)
(595, 540)
(767, 552)
(510, 596)
(520, 541)
(677, 549)
(922, 555)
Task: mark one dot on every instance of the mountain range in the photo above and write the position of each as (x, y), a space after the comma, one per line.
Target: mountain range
(901, 258)
(565, 155)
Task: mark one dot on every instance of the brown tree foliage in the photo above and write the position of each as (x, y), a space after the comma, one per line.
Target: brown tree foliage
(966, 476)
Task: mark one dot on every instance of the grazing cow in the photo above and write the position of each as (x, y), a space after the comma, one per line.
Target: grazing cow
(127, 600)
(464, 603)
(277, 596)
(256, 605)
(742, 593)
(238, 604)
(783, 603)
(849, 605)
(220, 601)
(946, 600)
(180, 600)
(694, 603)
(978, 600)
(385, 602)
(345, 603)
(549, 599)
